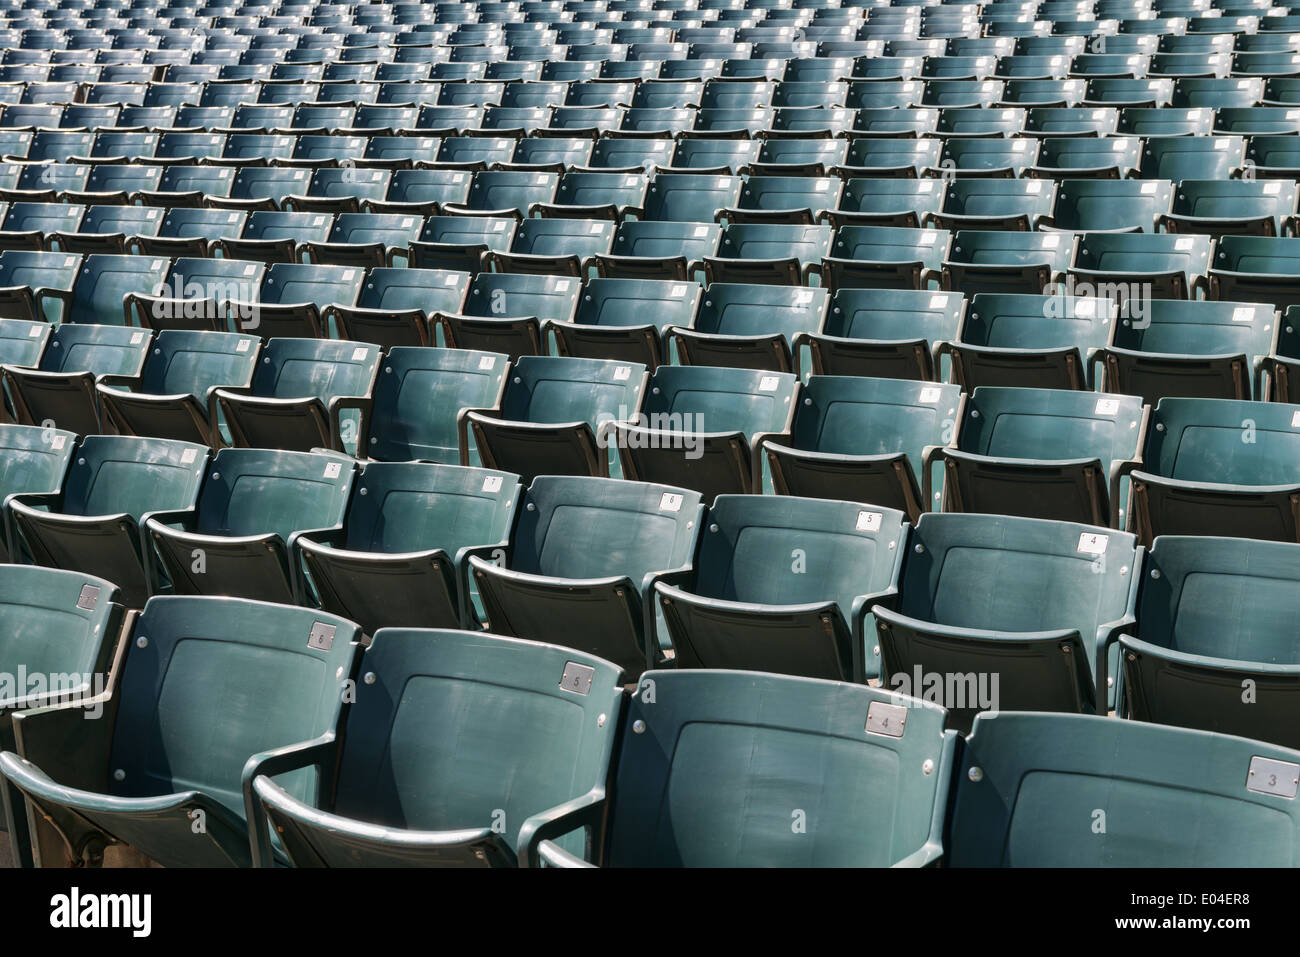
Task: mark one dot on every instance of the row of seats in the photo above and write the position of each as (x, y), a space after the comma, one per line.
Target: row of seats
(319, 753)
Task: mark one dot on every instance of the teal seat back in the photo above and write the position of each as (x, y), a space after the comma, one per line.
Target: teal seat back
(1128, 253)
(193, 361)
(321, 368)
(1051, 424)
(720, 400)
(103, 280)
(1013, 321)
(519, 295)
(33, 458)
(891, 244)
(637, 302)
(116, 474)
(1199, 328)
(982, 247)
(398, 290)
(1224, 441)
(749, 309)
(690, 197)
(555, 390)
(1258, 254)
(897, 314)
(103, 350)
(260, 491)
(293, 283)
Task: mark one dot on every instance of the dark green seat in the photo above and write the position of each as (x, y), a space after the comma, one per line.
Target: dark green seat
(1158, 265)
(400, 558)
(654, 250)
(93, 525)
(582, 564)
(899, 201)
(37, 286)
(553, 247)
(1057, 790)
(33, 460)
(1003, 157)
(541, 721)
(108, 229)
(458, 243)
(506, 191)
(103, 281)
(197, 295)
(1178, 158)
(1218, 467)
(550, 416)
(596, 194)
(1256, 269)
(1198, 349)
(885, 333)
(625, 319)
(292, 298)
(884, 257)
(1104, 205)
(60, 392)
(420, 192)
(701, 427)
(171, 397)
(1283, 360)
(987, 203)
(240, 539)
(1087, 157)
(509, 312)
(1017, 614)
(749, 326)
(786, 585)
(305, 393)
(365, 240)
(1225, 207)
(395, 304)
(982, 261)
(1029, 341)
(889, 156)
(65, 626)
(770, 253)
(793, 200)
(1071, 121)
(213, 693)
(23, 343)
(420, 400)
(1042, 453)
(690, 197)
(862, 440)
(720, 769)
(190, 232)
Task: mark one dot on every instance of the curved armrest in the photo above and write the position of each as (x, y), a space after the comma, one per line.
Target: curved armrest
(584, 811)
(270, 763)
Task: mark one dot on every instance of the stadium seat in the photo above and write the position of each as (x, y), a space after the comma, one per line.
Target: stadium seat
(1020, 614)
(773, 253)
(399, 801)
(37, 286)
(96, 789)
(1230, 207)
(884, 257)
(659, 250)
(394, 306)
(625, 319)
(509, 312)
(748, 326)
(746, 752)
(999, 261)
(1255, 269)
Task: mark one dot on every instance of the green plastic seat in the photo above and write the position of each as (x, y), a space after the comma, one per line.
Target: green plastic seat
(596, 194)
(1110, 205)
(1218, 467)
(394, 305)
(900, 202)
(582, 563)
(1017, 614)
(690, 197)
(554, 247)
(108, 230)
(1216, 92)
(862, 440)
(1003, 157)
(510, 312)
(799, 157)
(1283, 361)
(750, 326)
(23, 343)
(57, 623)
(197, 294)
(60, 392)
(724, 156)
(786, 585)
(365, 240)
(879, 156)
(240, 539)
(655, 250)
(420, 399)
(986, 203)
(214, 690)
(1178, 158)
(702, 427)
(400, 559)
(292, 298)
(1087, 157)
(1160, 266)
(1230, 207)
(507, 191)
(881, 94)
(884, 257)
(770, 253)
(1212, 649)
(420, 192)
(1197, 349)
(550, 417)
(1129, 91)
(103, 281)
(625, 319)
(1273, 156)
(1161, 124)
(405, 797)
(271, 236)
(983, 261)
(190, 232)
(1170, 797)
(1058, 121)
(92, 525)
(171, 397)
(1042, 453)
(37, 286)
(1256, 120)
(980, 122)
(1256, 269)
(305, 394)
(33, 460)
(791, 200)
(715, 767)
(1029, 341)
(458, 243)
(882, 333)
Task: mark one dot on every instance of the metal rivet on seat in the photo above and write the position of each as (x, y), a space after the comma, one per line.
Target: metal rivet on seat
(1155, 573)
(119, 775)
(142, 642)
(638, 726)
(369, 678)
(713, 527)
(215, 476)
(919, 548)
(975, 774)
(600, 721)
(532, 507)
(928, 766)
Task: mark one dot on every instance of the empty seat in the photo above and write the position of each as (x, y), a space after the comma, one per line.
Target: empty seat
(550, 416)
(748, 326)
(1103, 205)
(583, 562)
(293, 662)
(980, 203)
(1229, 207)
(305, 394)
(240, 538)
(651, 250)
(1016, 614)
(1218, 467)
(1168, 797)
(1256, 269)
(197, 294)
(1042, 453)
(401, 558)
(509, 312)
(103, 281)
(292, 298)
(863, 440)
(1006, 262)
(554, 247)
(399, 802)
(172, 396)
(394, 306)
(92, 525)
(884, 257)
(625, 319)
(690, 197)
(715, 772)
(273, 237)
(37, 287)
(701, 427)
